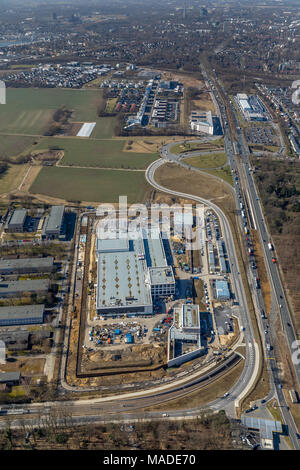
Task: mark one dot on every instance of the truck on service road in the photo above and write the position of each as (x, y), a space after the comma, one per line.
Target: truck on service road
(270, 246)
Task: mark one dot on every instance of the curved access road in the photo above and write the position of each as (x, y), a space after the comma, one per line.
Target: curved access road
(249, 374)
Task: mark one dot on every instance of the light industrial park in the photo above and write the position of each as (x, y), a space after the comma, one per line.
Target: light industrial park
(149, 225)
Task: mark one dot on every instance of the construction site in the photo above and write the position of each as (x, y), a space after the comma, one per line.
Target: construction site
(143, 306)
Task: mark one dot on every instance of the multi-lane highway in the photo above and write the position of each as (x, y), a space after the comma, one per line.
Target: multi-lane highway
(245, 186)
(252, 351)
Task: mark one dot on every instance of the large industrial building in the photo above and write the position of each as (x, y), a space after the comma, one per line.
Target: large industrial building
(16, 222)
(26, 265)
(251, 107)
(21, 288)
(21, 315)
(130, 273)
(54, 226)
(202, 121)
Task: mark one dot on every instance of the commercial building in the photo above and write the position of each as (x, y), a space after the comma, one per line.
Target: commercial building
(10, 378)
(22, 315)
(54, 226)
(21, 288)
(268, 429)
(16, 222)
(26, 265)
(222, 290)
(162, 281)
(184, 340)
(130, 273)
(202, 121)
(251, 107)
(222, 261)
(15, 340)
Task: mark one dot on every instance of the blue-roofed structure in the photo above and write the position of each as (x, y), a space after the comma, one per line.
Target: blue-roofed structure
(222, 290)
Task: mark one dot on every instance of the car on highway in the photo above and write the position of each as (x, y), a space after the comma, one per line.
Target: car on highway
(225, 394)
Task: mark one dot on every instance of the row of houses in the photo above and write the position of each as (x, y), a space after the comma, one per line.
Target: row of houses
(71, 75)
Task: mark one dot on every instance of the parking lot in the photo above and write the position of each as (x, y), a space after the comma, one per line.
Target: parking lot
(261, 136)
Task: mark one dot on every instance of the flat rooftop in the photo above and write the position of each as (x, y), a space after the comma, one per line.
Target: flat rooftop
(161, 275)
(222, 289)
(24, 286)
(26, 263)
(190, 316)
(266, 426)
(121, 276)
(202, 117)
(55, 218)
(154, 251)
(112, 245)
(22, 311)
(18, 217)
(9, 376)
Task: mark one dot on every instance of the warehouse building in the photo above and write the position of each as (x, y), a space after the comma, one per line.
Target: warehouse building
(54, 226)
(26, 265)
(121, 278)
(130, 273)
(21, 288)
(16, 222)
(22, 315)
(10, 378)
(15, 340)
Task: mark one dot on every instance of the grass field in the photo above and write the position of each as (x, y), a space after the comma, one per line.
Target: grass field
(29, 110)
(191, 146)
(98, 153)
(12, 178)
(223, 173)
(91, 185)
(11, 145)
(212, 160)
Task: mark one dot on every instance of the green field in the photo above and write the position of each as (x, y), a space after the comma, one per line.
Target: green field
(212, 160)
(90, 185)
(201, 146)
(10, 180)
(98, 153)
(11, 145)
(224, 174)
(29, 110)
